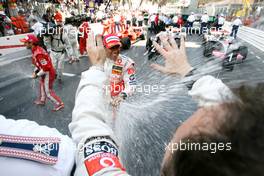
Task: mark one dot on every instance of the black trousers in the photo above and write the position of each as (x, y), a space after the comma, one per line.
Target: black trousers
(203, 28)
(234, 31)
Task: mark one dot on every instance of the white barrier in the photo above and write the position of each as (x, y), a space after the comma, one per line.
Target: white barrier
(11, 41)
(252, 36)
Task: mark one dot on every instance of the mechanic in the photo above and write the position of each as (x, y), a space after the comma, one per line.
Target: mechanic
(204, 23)
(235, 25)
(220, 22)
(44, 70)
(72, 32)
(28, 149)
(83, 30)
(58, 45)
(119, 69)
(190, 21)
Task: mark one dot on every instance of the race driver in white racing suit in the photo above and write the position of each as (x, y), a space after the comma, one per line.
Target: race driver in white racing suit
(97, 152)
(119, 69)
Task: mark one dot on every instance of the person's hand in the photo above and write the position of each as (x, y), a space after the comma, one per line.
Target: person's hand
(116, 101)
(176, 61)
(34, 75)
(95, 49)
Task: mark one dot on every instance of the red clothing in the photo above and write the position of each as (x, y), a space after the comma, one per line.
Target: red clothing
(180, 21)
(21, 25)
(58, 16)
(42, 60)
(157, 20)
(84, 30)
(46, 71)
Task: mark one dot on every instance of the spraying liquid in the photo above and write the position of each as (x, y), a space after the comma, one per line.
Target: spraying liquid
(146, 122)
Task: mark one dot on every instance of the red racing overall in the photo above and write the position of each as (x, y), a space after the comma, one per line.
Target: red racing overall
(46, 72)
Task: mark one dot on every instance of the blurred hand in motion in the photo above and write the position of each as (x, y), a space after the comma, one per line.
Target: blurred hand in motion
(34, 75)
(176, 61)
(95, 49)
(115, 102)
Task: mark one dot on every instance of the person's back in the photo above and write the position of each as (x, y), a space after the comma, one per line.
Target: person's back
(237, 22)
(16, 132)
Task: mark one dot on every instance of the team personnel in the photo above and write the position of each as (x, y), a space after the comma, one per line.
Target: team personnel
(45, 71)
(119, 69)
(221, 21)
(204, 23)
(71, 31)
(190, 21)
(58, 45)
(83, 30)
(235, 25)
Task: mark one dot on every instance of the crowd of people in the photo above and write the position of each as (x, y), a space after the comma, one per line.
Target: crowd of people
(113, 21)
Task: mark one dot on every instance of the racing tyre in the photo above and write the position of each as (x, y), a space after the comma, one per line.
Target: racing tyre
(243, 50)
(126, 43)
(229, 66)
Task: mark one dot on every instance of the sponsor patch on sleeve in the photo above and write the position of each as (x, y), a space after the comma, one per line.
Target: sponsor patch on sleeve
(101, 155)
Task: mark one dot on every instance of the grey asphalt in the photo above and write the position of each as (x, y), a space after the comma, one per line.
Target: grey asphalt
(146, 122)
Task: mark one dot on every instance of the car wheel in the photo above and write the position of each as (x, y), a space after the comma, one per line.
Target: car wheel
(243, 50)
(229, 66)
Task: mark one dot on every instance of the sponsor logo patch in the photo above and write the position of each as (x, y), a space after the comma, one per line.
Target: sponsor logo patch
(131, 71)
(99, 147)
(117, 70)
(100, 155)
(132, 77)
(132, 83)
(101, 161)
